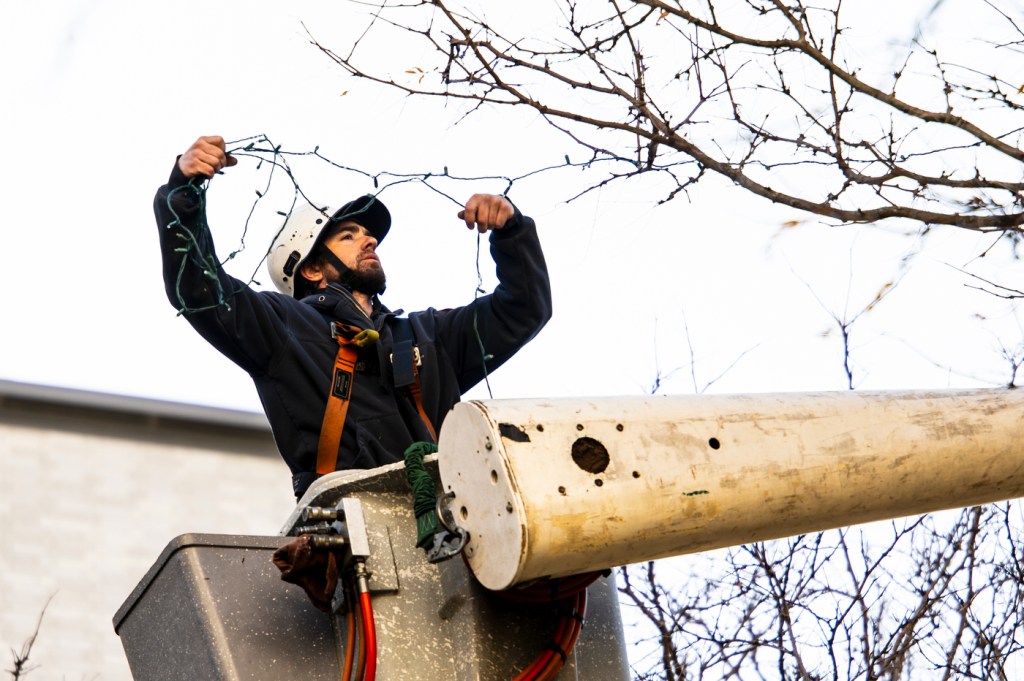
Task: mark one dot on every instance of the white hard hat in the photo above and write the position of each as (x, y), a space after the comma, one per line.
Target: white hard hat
(293, 244)
(302, 229)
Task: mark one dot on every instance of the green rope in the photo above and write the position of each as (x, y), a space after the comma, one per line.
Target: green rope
(424, 496)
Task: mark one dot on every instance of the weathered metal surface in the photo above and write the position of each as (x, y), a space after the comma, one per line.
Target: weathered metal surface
(558, 487)
(214, 607)
(437, 621)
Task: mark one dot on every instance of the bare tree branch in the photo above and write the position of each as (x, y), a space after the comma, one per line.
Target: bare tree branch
(766, 99)
(21, 666)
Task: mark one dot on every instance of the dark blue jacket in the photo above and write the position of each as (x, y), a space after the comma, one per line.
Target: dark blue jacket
(285, 345)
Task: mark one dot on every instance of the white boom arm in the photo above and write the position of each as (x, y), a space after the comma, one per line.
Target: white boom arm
(559, 487)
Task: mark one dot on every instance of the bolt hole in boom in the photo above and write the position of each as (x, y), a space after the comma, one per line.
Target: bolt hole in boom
(714, 443)
(590, 455)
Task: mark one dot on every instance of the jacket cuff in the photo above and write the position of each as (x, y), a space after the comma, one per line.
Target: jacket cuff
(177, 178)
(181, 192)
(511, 227)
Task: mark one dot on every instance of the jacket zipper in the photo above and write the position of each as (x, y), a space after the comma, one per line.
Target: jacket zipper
(355, 303)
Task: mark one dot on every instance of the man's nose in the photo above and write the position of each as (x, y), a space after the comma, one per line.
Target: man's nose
(370, 243)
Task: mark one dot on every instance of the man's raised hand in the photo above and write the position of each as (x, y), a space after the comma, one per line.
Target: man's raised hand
(206, 156)
(485, 212)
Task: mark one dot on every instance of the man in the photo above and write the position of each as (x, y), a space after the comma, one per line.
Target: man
(344, 381)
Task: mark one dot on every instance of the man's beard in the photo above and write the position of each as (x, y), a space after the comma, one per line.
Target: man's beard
(368, 280)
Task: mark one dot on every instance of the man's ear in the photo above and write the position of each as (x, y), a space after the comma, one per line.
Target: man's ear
(312, 272)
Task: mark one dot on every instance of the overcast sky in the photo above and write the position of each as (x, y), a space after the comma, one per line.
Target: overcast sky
(97, 97)
(100, 96)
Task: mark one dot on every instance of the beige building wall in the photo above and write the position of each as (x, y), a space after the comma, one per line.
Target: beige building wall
(92, 487)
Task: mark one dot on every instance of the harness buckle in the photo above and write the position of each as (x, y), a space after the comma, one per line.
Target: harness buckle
(361, 337)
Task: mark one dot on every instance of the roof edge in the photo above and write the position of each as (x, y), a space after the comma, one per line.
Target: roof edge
(137, 406)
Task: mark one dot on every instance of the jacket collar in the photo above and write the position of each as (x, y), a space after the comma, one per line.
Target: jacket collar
(337, 301)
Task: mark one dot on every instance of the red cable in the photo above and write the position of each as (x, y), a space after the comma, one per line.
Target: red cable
(370, 635)
(567, 632)
(574, 625)
(350, 644)
(572, 589)
(533, 670)
(547, 590)
(360, 667)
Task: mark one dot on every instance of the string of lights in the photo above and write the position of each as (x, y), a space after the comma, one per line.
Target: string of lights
(276, 162)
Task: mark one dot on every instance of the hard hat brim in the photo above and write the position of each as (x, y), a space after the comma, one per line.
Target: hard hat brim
(368, 211)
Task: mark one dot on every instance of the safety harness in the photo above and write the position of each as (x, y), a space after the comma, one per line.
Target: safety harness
(405, 363)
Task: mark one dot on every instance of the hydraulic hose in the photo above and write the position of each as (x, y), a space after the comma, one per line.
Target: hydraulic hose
(556, 662)
(369, 630)
(370, 636)
(350, 644)
(548, 663)
(548, 590)
(361, 649)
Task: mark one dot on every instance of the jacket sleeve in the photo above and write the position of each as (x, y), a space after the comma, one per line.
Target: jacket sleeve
(236, 320)
(499, 324)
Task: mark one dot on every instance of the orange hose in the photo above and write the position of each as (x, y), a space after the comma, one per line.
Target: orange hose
(534, 668)
(545, 591)
(350, 644)
(361, 660)
(548, 663)
(565, 638)
(369, 636)
(573, 589)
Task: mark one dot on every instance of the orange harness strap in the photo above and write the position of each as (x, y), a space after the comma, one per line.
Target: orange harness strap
(350, 339)
(414, 392)
(405, 366)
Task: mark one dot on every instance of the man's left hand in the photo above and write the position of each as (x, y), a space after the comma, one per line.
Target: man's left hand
(485, 212)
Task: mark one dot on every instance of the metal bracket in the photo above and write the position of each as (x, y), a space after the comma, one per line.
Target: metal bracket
(355, 527)
(341, 529)
(338, 527)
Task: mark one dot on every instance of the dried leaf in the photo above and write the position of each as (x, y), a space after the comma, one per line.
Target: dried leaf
(878, 297)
